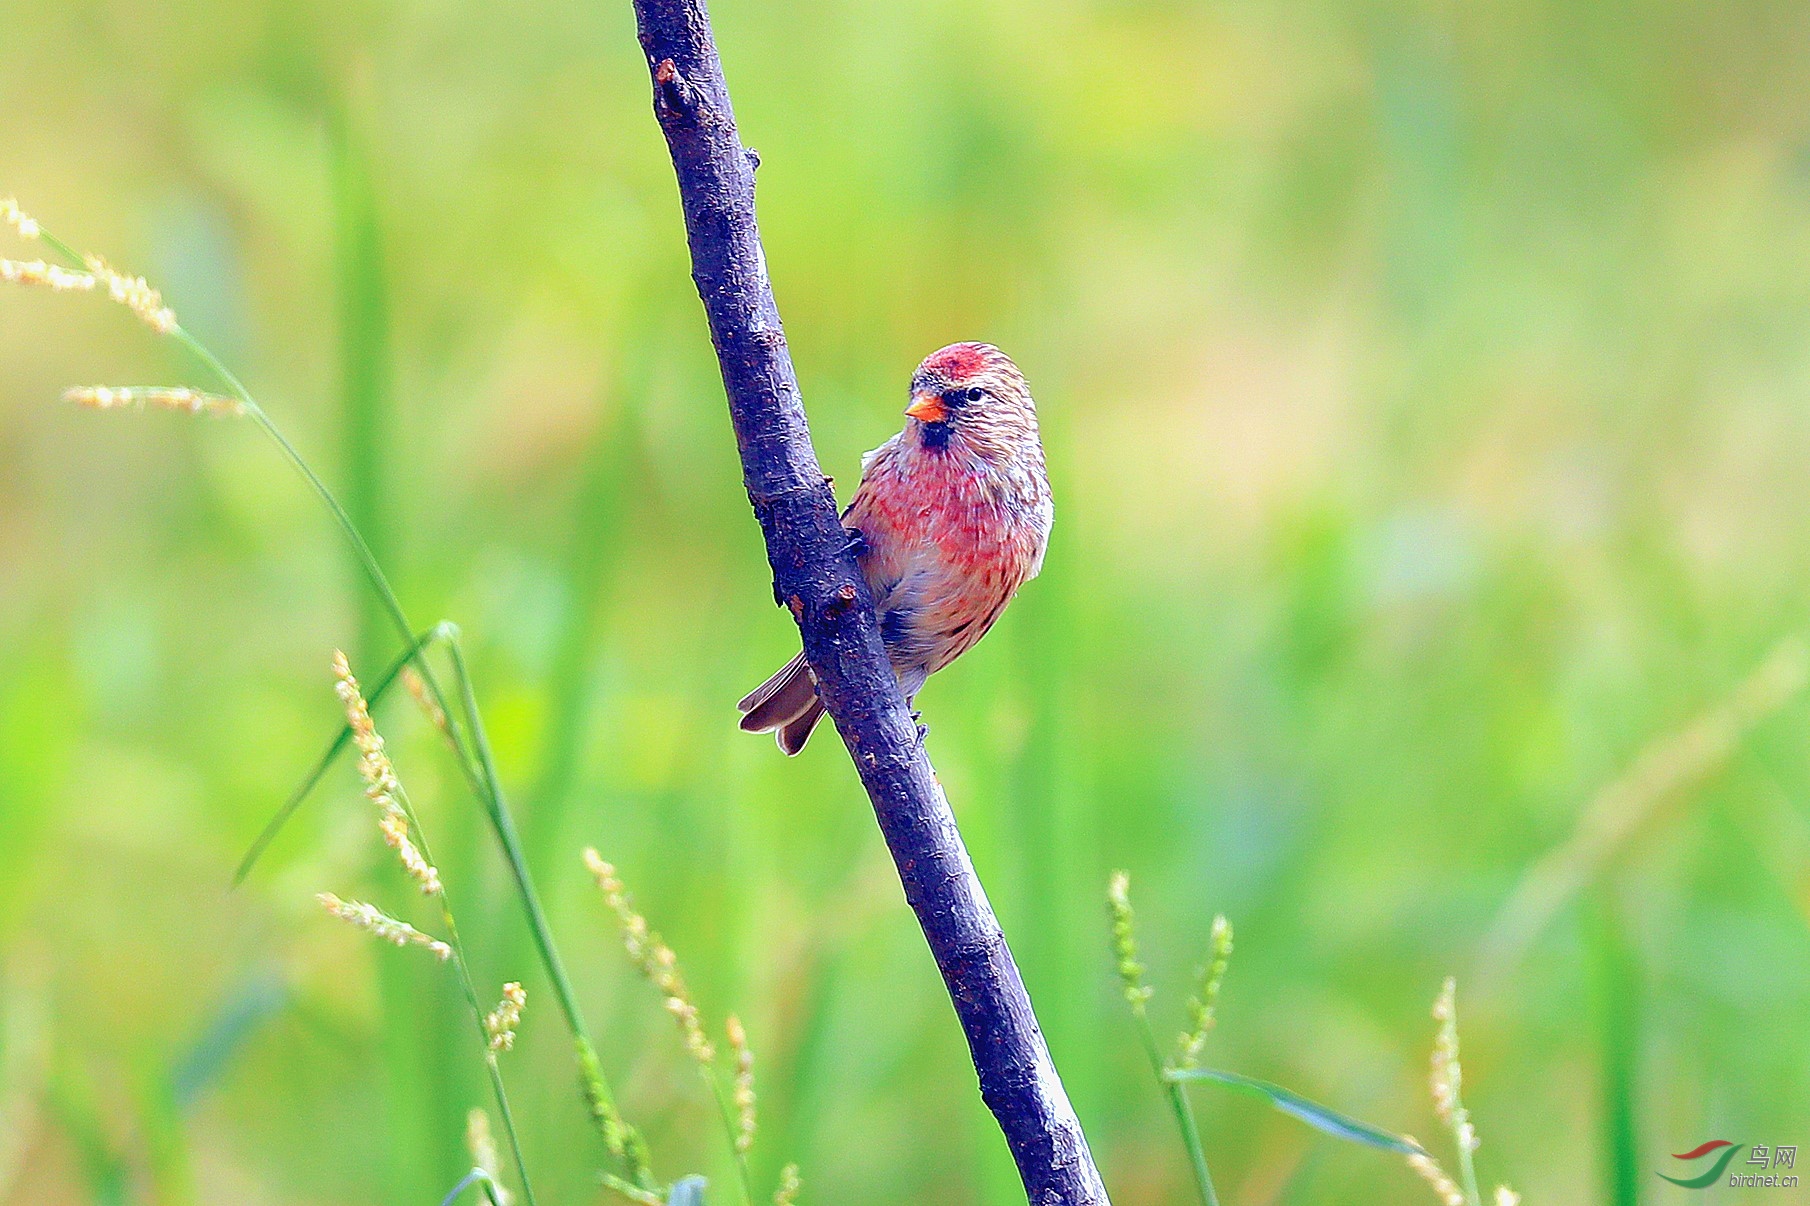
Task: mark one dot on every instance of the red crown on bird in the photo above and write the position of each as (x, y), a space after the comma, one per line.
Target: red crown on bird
(959, 363)
(960, 360)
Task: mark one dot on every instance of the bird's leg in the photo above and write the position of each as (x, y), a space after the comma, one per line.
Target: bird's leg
(857, 542)
(917, 718)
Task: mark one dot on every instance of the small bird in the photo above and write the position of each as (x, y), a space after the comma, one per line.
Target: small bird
(952, 516)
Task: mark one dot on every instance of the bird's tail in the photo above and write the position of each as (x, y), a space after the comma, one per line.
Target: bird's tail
(786, 705)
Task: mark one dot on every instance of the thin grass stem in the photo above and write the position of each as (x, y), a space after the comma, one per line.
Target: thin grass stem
(479, 771)
(630, 1190)
(505, 827)
(731, 1129)
(1137, 995)
(1467, 1173)
(602, 1099)
(476, 1006)
(1183, 1110)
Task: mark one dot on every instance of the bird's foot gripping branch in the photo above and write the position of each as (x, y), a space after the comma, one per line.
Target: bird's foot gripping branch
(817, 577)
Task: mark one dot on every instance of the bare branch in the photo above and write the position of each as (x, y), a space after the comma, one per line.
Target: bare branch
(815, 576)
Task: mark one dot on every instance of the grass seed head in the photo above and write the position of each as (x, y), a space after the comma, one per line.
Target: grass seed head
(376, 922)
(789, 1185)
(381, 783)
(424, 699)
(48, 276)
(1203, 1006)
(744, 1084)
(1447, 1080)
(500, 1023)
(692, 1026)
(134, 293)
(623, 1140)
(20, 222)
(194, 401)
(1443, 1186)
(1124, 940)
(653, 957)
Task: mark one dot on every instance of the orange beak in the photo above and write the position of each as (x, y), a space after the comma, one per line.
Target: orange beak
(927, 408)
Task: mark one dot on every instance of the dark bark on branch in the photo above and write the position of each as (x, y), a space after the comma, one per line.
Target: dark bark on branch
(814, 574)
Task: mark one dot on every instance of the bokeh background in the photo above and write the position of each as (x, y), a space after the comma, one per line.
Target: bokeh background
(1425, 388)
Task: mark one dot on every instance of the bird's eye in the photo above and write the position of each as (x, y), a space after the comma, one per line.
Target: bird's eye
(975, 394)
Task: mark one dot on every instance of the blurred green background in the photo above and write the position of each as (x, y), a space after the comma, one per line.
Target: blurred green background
(1424, 386)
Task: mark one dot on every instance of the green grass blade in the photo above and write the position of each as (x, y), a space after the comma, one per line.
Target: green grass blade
(1321, 1118)
(1618, 1022)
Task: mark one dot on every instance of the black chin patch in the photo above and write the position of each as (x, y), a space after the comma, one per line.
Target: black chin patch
(936, 436)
